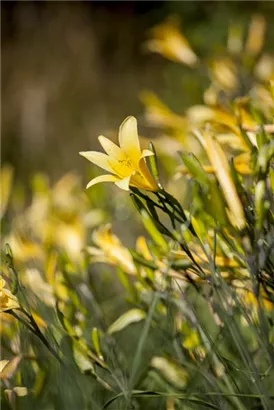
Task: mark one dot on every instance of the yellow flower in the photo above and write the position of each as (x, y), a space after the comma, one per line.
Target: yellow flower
(170, 42)
(256, 35)
(224, 73)
(125, 162)
(9, 367)
(111, 250)
(6, 178)
(159, 114)
(7, 300)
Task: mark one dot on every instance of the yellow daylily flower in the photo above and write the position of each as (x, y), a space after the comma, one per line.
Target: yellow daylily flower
(7, 300)
(168, 40)
(6, 178)
(111, 250)
(159, 114)
(9, 367)
(256, 35)
(224, 73)
(126, 163)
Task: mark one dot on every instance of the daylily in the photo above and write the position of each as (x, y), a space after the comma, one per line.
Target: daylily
(7, 300)
(168, 40)
(126, 163)
(111, 250)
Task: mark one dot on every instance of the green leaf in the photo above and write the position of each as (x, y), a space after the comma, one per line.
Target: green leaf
(194, 166)
(153, 161)
(131, 316)
(153, 231)
(153, 394)
(96, 342)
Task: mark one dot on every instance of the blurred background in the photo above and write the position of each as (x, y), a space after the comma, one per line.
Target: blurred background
(70, 72)
(74, 70)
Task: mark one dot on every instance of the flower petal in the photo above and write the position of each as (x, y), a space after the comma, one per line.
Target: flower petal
(98, 158)
(2, 283)
(146, 153)
(129, 140)
(111, 149)
(124, 183)
(102, 178)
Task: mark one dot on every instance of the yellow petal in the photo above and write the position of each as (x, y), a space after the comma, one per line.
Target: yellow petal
(2, 283)
(146, 153)
(8, 300)
(146, 177)
(124, 183)
(129, 140)
(9, 368)
(169, 41)
(20, 391)
(6, 178)
(256, 35)
(159, 114)
(102, 178)
(141, 247)
(220, 163)
(98, 158)
(111, 149)
(3, 364)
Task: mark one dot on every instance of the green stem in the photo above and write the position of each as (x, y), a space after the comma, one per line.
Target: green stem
(34, 328)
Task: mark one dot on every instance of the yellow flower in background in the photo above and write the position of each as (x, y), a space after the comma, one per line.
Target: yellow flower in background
(126, 163)
(7, 300)
(159, 114)
(111, 250)
(6, 179)
(224, 73)
(256, 35)
(168, 40)
(9, 367)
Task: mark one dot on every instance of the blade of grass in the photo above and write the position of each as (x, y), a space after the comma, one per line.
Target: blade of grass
(141, 342)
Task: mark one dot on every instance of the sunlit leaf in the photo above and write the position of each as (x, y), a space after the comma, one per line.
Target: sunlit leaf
(131, 316)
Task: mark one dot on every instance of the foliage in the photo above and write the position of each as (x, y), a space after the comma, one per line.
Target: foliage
(197, 330)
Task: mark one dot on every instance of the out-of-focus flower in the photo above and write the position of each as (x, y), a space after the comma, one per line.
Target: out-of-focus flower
(199, 114)
(265, 68)
(6, 177)
(8, 301)
(224, 73)
(126, 163)
(18, 391)
(33, 279)
(7, 370)
(249, 298)
(8, 367)
(159, 114)
(111, 250)
(168, 41)
(170, 371)
(24, 248)
(57, 217)
(256, 35)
